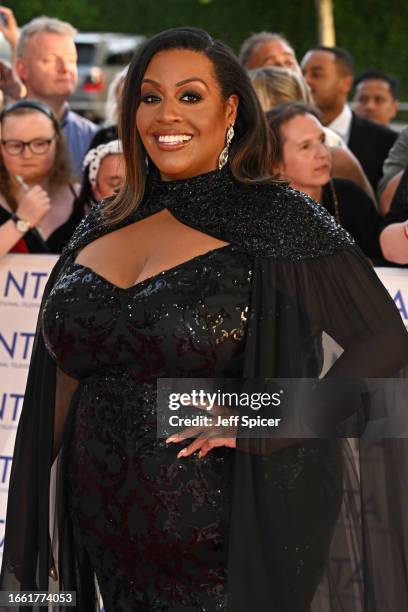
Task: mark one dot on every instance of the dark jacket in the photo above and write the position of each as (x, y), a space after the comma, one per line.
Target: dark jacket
(370, 143)
(357, 214)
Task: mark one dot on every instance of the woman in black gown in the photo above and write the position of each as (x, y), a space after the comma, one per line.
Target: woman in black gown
(202, 267)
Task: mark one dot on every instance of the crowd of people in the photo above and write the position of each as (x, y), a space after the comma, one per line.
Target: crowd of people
(364, 148)
(230, 223)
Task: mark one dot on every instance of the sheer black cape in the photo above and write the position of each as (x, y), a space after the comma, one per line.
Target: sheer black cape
(309, 278)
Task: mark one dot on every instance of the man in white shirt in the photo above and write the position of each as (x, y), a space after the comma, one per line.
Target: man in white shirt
(329, 74)
(270, 49)
(342, 123)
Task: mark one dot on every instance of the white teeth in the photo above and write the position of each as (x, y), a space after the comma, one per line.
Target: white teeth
(174, 138)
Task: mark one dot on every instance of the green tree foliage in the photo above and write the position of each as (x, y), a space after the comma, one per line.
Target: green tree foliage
(373, 30)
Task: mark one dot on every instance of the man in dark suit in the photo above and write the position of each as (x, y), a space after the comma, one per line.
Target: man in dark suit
(329, 73)
(370, 143)
(376, 96)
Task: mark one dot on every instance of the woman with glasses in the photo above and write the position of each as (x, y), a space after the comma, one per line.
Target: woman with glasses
(36, 192)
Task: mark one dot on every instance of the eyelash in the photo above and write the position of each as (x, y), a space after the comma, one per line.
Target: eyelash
(193, 98)
(150, 99)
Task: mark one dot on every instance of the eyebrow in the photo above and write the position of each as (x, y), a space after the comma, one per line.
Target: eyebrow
(184, 82)
(285, 55)
(70, 54)
(31, 139)
(310, 138)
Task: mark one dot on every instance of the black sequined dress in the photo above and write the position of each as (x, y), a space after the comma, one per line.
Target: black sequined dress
(252, 528)
(154, 526)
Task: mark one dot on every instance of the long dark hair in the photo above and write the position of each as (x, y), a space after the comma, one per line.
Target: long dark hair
(251, 152)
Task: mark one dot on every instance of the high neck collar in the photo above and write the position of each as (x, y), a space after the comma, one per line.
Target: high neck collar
(265, 219)
(204, 183)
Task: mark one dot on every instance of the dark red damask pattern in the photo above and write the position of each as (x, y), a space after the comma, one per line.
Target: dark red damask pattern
(155, 527)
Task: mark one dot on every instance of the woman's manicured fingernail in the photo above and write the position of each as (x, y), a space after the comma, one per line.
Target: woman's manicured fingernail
(182, 453)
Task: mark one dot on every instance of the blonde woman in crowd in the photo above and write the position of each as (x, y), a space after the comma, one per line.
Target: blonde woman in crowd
(113, 98)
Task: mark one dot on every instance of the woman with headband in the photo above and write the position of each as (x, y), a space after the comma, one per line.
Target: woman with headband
(103, 174)
(37, 194)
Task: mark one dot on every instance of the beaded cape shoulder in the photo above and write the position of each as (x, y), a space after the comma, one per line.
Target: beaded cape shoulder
(267, 220)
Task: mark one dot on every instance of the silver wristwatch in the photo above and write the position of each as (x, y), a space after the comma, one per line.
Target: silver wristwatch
(22, 225)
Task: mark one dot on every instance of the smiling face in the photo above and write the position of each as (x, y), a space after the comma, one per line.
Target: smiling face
(306, 161)
(182, 118)
(26, 127)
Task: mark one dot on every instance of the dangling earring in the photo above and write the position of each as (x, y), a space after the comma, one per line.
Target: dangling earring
(223, 158)
(147, 164)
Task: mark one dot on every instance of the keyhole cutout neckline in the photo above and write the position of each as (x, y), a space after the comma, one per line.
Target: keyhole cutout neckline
(219, 245)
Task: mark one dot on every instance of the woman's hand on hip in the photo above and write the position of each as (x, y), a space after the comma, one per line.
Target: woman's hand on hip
(209, 436)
